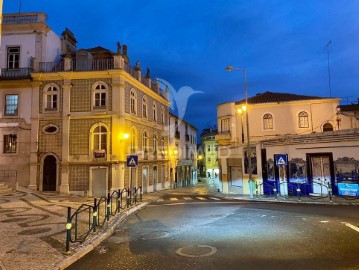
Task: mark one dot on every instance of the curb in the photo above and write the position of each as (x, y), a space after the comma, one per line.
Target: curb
(92, 243)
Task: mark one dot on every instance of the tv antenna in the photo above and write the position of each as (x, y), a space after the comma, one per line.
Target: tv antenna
(327, 47)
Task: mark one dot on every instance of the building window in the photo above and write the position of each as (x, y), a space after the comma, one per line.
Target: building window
(225, 125)
(303, 120)
(100, 93)
(163, 146)
(51, 94)
(133, 101)
(10, 143)
(144, 106)
(162, 115)
(208, 159)
(13, 57)
(327, 127)
(100, 138)
(11, 105)
(145, 142)
(155, 143)
(208, 148)
(133, 141)
(267, 121)
(154, 112)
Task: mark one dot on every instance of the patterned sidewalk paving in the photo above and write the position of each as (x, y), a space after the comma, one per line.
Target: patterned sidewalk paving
(32, 224)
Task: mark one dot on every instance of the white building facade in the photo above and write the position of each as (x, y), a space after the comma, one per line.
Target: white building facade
(310, 134)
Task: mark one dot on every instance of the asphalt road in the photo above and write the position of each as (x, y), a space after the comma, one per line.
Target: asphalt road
(187, 231)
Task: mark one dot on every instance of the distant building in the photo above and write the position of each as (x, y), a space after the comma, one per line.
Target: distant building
(210, 150)
(70, 117)
(296, 142)
(183, 152)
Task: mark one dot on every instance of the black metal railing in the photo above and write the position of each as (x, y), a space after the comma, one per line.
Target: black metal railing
(18, 73)
(88, 218)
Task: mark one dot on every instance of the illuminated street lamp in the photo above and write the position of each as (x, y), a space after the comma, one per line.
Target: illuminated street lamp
(230, 68)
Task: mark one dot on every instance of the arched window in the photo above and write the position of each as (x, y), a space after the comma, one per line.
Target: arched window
(303, 120)
(100, 95)
(154, 112)
(100, 137)
(327, 127)
(144, 107)
(267, 121)
(133, 101)
(51, 97)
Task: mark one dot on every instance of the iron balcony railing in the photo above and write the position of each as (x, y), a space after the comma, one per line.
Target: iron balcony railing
(12, 74)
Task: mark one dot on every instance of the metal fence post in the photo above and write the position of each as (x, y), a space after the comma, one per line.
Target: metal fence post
(68, 230)
(94, 215)
(108, 207)
(299, 193)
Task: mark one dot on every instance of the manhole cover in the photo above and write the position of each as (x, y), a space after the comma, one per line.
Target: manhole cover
(154, 235)
(196, 251)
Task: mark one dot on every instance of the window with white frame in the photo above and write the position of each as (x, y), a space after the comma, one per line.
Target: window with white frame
(133, 101)
(13, 57)
(11, 105)
(267, 121)
(51, 97)
(144, 107)
(208, 148)
(10, 143)
(303, 120)
(100, 137)
(154, 111)
(100, 93)
(225, 125)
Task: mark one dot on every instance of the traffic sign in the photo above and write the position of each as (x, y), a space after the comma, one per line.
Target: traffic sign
(281, 160)
(132, 160)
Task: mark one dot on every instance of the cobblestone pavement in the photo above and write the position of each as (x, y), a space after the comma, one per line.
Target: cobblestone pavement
(32, 225)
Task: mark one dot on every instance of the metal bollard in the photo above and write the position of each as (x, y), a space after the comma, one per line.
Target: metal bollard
(68, 230)
(128, 198)
(299, 194)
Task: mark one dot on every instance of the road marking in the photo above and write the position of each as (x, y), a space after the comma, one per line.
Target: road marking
(160, 200)
(188, 198)
(355, 228)
(201, 198)
(214, 198)
(196, 250)
(173, 199)
(324, 221)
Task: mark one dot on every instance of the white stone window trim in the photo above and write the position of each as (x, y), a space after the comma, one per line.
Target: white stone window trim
(267, 122)
(51, 90)
(98, 89)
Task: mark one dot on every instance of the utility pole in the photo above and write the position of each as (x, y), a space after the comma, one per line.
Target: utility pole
(327, 48)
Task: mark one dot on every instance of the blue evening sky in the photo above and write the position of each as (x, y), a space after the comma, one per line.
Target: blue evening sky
(188, 43)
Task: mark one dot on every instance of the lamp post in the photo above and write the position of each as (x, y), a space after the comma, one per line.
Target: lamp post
(250, 180)
(241, 111)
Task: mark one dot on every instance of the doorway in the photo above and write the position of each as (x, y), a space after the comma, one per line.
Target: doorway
(321, 176)
(49, 174)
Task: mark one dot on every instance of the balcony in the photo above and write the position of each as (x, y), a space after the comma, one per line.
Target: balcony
(15, 74)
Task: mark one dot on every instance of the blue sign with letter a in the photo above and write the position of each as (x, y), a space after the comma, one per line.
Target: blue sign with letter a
(281, 160)
(132, 160)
